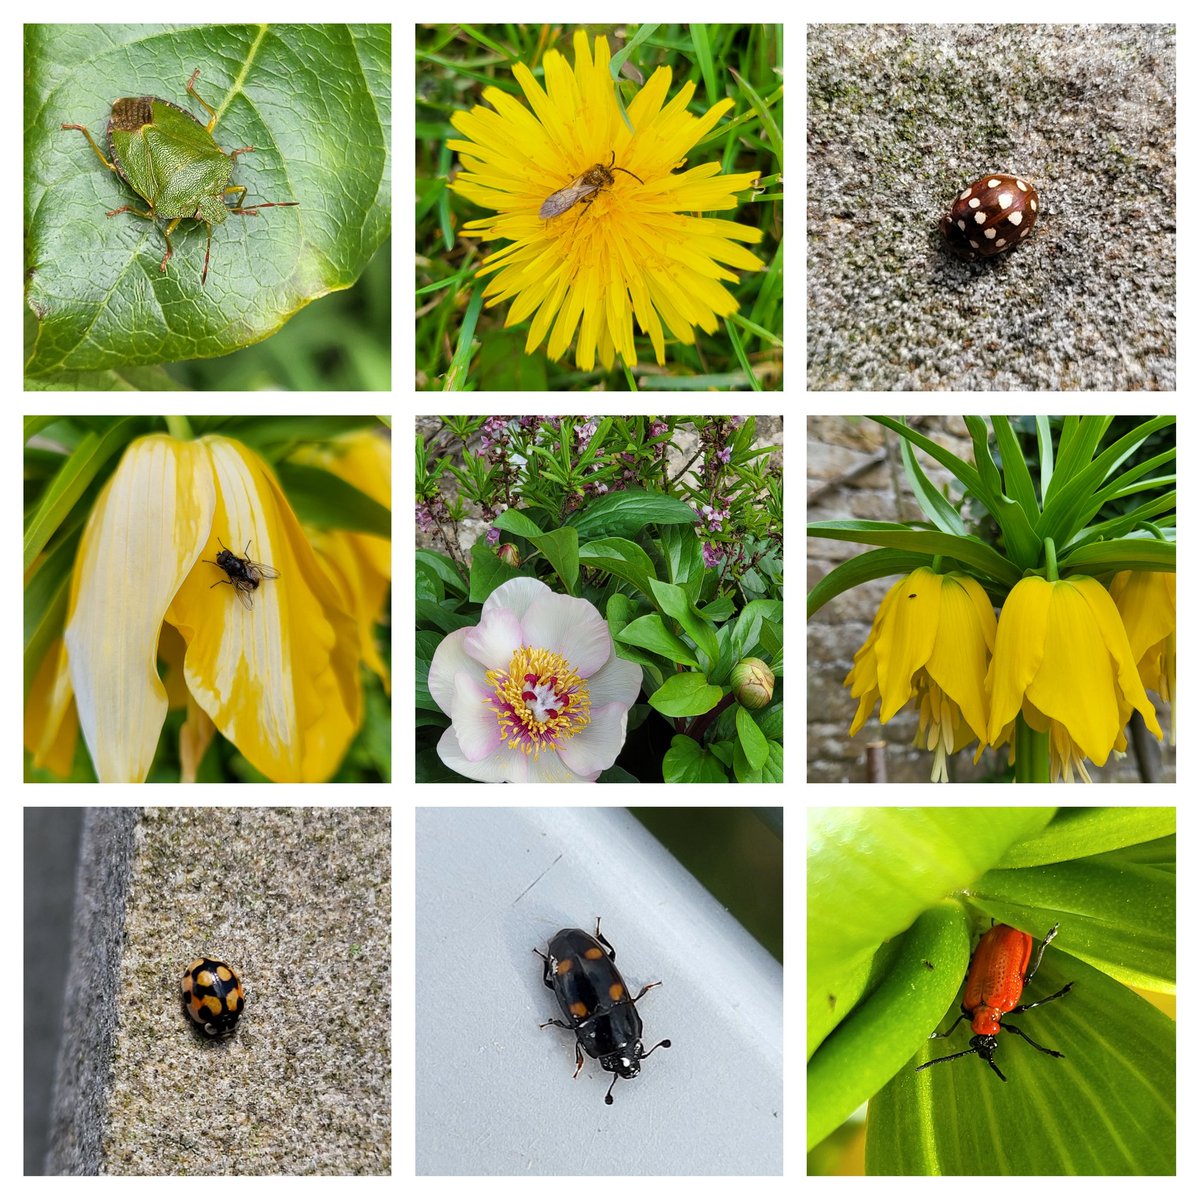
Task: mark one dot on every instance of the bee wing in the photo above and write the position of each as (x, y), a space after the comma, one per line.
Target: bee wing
(560, 201)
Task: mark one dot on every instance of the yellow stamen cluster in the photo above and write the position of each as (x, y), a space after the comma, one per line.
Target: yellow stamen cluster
(539, 701)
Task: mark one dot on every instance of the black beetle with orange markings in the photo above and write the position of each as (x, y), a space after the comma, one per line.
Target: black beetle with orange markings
(581, 970)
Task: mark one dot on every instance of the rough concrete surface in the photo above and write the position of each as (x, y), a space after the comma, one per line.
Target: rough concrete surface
(902, 118)
(298, 901)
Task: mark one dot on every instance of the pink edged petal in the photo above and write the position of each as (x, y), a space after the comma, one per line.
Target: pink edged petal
(571, 627)
(474, 722)
(496, 768)
(448, 660)
(492, 642)
(549, 768)
(516, 595)
(618, 681)
(596, 746)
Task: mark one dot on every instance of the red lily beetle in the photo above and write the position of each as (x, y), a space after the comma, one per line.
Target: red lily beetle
(995, 981)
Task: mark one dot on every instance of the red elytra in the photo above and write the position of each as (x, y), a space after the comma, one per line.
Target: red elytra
(995, 980)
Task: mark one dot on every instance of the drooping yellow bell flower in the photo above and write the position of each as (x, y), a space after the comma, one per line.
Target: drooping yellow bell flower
(1063, 660)
(1146, 602)
(931, 639)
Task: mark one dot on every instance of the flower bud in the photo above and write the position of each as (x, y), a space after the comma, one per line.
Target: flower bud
(509, 554)
(753, 683)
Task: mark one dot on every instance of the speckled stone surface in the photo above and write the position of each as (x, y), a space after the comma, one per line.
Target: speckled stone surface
(902, 118)
(298, 900)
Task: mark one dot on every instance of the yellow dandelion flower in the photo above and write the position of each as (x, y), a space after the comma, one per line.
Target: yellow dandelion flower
(620, 243)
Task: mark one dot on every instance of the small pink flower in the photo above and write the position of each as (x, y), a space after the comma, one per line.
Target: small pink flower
(534, 692)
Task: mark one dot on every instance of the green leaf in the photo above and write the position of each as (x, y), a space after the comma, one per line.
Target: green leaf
(445, 569)
(685, 694)
(1121, 554)
(673, 601)
(427, 643)
(442, 616)
(971, 551)
(966, 474)
(488, 572)
(751, 739)
(94, 284)
(616, 774)
(875, 564)
(650, 633)
(936, 507)
(513, 521)
(1018, 483)
(770, 772)
(683, 559)
(624, 559)
(561, 548)
(688, 762)
(624, 514)
(749, 622)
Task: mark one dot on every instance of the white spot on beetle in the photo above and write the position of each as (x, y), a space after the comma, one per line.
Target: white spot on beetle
(1033, 205)
(974, 245)
(993, 183)
(999, 241)
(980, 218)
(989, 234)
(966, 194)
(1022, 185)
(1024, 232)
(1015, 218)
(974, 203)
(962, 225)
(1004, 199)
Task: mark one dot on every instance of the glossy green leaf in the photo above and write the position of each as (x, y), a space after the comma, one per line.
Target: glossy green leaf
(685, 694)
(971, 551)
(624, 559)
(650, 633)
(626, 514)
(674, 602)
(688, 762)
(751, 740)
(314, 101)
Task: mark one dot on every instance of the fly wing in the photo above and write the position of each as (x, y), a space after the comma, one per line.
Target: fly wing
(261, 570)
(558, 202)
(245, 593)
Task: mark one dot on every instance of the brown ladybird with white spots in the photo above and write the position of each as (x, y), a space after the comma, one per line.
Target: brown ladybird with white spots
(994, 214)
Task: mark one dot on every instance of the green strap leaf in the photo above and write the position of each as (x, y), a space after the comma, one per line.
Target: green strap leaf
(875, 564)
(971, 551)
(935, 506)
(1121, 554)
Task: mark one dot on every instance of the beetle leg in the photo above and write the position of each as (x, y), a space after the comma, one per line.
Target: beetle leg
(1045, 1000)
(579, 1060)
(552, 1021)
(645, 990)
(93, 145)
(1043, 1049)
(612, 954)
(935, 1034)
(1042, 950)
(545, 969)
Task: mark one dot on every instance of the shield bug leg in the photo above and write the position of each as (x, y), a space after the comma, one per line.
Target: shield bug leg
(212, 112)
(92, 143)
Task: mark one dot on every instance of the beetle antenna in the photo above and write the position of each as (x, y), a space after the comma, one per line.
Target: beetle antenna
(665, 1042)
(608, 1094)
(949, 1058)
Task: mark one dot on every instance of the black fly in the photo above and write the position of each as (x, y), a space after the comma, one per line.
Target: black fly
(244, 575)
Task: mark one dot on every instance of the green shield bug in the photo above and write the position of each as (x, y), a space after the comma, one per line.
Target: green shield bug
(170, 158)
